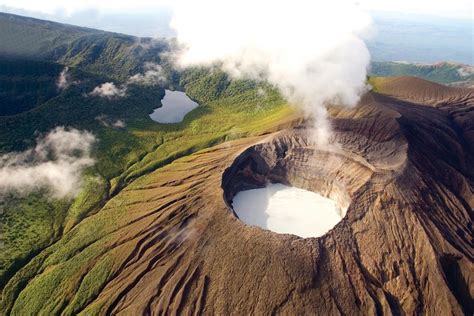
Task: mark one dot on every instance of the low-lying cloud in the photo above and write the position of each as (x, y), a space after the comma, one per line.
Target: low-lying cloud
(56, 164)
(109, 122)
(110, 91)
(153, 75)
(312, 51)
(64, 80)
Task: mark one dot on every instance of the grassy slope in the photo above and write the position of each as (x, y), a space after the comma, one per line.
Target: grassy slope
(23, 219)
(229, 109)
(29, 54)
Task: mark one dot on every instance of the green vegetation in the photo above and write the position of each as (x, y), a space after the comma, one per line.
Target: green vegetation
(38, 232)
(445, 73)
(25, 84)
(376, 83)
(94, 51)
(228, 109)
(44, 250)
(33, 222)
(22, 236)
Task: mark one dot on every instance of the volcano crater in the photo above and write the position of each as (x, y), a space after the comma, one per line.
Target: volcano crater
(292, 159)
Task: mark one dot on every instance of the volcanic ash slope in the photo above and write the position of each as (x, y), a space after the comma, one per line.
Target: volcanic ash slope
(404, 170)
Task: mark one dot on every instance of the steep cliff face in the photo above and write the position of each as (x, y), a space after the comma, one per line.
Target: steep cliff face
(403, 169)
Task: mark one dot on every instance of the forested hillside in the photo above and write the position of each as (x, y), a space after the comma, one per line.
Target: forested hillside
(94, 51)
(25, 84)
(128, 143)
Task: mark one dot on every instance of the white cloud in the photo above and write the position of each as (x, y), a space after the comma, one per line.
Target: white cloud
(63, 80)
(118, 124)
(108, 122)
(453, 8)
(55, 163)
(153, 75)
(466, 71)
(109, 90)
(314, 52)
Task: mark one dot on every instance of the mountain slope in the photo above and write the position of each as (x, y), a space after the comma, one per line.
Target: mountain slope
(152, 230)
(33, 38)
(112, 54)
(169, 242)
(25, 84)
(123, 153)
(445, 73)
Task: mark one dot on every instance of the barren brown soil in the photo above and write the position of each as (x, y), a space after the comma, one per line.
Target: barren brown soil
(404, 166)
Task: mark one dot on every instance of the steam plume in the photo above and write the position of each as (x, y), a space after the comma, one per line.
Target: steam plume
(313, 51)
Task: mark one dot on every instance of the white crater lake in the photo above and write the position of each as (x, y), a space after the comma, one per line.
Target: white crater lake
(284, 209)
(175, 105)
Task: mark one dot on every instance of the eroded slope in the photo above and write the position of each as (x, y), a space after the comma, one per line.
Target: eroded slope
(170, 243)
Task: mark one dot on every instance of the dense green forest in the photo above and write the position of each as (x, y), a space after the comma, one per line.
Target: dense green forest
(25, 84)
(94, 51)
